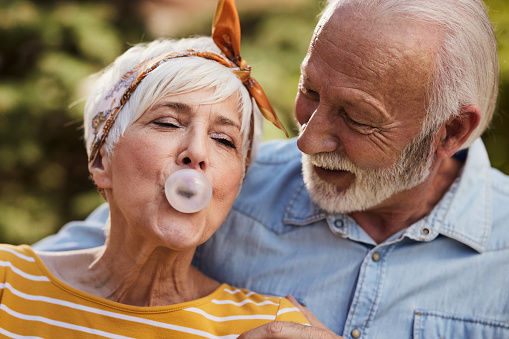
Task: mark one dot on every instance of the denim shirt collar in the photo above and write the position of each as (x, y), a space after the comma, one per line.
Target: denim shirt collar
(464, 213)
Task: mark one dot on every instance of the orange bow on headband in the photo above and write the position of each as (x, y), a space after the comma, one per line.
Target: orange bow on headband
(226, 35)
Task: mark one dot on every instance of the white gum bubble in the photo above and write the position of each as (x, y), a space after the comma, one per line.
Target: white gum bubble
(188, 190)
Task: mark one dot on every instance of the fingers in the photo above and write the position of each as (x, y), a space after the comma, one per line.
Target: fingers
(276, 329)
(287, 330)
(307, 313)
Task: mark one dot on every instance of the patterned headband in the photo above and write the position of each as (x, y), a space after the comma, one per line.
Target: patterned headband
(226, 35)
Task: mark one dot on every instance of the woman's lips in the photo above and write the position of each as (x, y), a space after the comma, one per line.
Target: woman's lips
(340, 178)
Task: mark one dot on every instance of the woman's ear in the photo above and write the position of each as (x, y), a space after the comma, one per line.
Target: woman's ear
(457, 130)
(100, 170)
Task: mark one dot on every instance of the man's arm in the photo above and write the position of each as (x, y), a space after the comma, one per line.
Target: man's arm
(78, 234)
(288, 330)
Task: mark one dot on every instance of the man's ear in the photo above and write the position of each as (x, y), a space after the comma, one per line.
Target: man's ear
(100, 170)
(457, 130)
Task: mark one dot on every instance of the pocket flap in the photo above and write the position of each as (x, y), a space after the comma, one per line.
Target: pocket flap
(439, 325)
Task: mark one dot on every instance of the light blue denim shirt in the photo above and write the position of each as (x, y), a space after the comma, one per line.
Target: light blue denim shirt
(446, 276)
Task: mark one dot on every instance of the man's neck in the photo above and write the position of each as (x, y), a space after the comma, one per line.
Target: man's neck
(407, 207)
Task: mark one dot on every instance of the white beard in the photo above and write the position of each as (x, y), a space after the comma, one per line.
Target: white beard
(370, 187)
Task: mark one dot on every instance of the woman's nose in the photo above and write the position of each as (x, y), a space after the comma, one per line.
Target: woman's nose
(194, 151)
(318, 135)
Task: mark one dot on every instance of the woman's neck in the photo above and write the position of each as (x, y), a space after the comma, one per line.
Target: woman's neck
(151, 278)
(154, 277)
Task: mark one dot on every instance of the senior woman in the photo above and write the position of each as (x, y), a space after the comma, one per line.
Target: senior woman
(158, 109)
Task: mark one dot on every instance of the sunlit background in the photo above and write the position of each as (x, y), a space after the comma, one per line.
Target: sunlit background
(48, 48)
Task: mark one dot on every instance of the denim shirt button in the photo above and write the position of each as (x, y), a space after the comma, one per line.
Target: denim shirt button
(356, 333)
(425, 231)
(338, 223)
(376, 257)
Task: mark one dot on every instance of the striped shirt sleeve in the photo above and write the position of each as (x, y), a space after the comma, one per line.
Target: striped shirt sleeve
(289, 312)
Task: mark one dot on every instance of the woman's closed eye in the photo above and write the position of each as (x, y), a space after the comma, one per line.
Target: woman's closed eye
(224, 140)
(166, 124)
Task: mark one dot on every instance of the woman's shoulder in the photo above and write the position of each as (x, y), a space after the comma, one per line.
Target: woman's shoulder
(17, 253)
(19, 263)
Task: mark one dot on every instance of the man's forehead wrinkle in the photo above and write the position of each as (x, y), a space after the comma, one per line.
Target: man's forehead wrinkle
(359, 31)
(356, 81)
(359, 86)
(378, 61)
(318, 29)
(370, 65)
(316, 34)
(322, 51)
(375, 60)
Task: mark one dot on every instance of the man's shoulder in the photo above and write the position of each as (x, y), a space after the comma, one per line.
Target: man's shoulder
(500, 201)
(78, 234)
(500, 183)
(277, 164)
(479, 211)
(276, 152)
(500, 195)
(272, 180)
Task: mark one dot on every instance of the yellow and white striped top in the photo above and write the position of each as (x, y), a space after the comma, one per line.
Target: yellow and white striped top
(35, 304)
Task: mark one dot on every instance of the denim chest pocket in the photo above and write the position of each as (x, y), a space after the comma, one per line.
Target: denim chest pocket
(438, 325)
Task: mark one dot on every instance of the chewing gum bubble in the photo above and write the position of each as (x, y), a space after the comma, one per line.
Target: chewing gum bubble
(188, 190)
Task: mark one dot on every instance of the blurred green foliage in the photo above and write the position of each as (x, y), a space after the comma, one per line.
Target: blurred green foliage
(47, 50)
(497, 137)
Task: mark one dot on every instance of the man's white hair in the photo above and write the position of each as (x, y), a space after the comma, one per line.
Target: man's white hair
(466, 69)
(176, 76)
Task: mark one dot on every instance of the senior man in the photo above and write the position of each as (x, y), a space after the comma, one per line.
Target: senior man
(391, 224)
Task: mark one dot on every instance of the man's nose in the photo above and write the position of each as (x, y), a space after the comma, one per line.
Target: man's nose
(318, 134)
(194, 151)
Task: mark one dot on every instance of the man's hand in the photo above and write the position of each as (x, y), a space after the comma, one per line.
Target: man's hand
(285, 329)
(307, 313)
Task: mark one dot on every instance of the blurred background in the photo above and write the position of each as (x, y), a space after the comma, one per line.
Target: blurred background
(48, 49)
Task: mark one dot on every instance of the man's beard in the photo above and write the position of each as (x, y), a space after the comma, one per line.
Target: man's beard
(370, 187)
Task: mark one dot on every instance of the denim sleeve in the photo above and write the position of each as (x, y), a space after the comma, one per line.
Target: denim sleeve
(78, 234)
